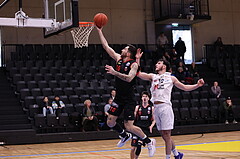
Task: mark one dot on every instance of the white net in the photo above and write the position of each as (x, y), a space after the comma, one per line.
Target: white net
(80, 35)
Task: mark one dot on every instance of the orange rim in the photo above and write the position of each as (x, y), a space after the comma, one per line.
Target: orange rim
(85, 24)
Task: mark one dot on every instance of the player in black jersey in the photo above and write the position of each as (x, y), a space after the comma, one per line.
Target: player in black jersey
(145, 120)
(125, 73)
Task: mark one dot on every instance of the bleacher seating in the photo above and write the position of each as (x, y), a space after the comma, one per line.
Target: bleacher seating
(79, 74)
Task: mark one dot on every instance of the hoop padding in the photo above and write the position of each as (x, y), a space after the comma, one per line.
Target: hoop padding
(80, 34)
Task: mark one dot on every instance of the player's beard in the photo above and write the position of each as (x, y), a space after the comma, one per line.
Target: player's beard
(160, 69)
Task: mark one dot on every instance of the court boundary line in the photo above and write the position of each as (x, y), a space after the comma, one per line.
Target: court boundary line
(69, 153)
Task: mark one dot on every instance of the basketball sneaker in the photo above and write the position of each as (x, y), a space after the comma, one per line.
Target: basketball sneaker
(123, 140)
(179, 156)
(151, 147)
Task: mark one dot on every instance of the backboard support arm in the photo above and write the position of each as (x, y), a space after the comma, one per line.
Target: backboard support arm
(4, 3)
(22, 20)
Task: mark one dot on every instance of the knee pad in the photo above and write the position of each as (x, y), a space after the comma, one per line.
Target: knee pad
(138, 150)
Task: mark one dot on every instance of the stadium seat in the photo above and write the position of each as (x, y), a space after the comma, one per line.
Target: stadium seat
(63, 84)
(204, 102)
(53, 84)
(44, 70)
(24, 92)
(48, 77)
(47, 92)
(186, 95)
(27, 78)
(32, 84)
(176, 95)
(74, 84)
(84, 97)
(79, 91)
(74, 99)
(176, 103)
(204, 94)
(185, 103)
(39, 101)
(16, 78)
(68, 91)
(58, 91)
(33, 110)
(68, 76)
(40, 121)
(51, 120)
(195, 103)
(195, 94)
(96, 98)
(36, 92)
(38, 77)
(213, 102)
(63, 119)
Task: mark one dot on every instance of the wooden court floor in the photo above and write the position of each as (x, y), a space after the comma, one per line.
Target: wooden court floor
(225, 145)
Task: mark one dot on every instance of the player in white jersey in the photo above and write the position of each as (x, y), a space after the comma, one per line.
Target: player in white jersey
(161, 88)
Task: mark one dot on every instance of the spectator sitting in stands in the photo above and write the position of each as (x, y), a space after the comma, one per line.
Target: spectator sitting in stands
(58, 106)
(107, 106)
(167, 57)
(181, 64)
(113, 93)
(229, 113)
(180, 74)
(47, 108)
(90, 121)
(194, 72)
(216, 90)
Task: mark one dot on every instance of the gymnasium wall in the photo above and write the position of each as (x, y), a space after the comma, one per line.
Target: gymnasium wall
(225, 23)
(127, 22)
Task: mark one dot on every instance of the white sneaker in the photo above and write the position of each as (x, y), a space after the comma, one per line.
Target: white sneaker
(123, 140)
(235, 122)
(226, 122)
(151, 147)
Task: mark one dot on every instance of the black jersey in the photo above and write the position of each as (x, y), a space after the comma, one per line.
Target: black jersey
(144, 116)
(124, 89)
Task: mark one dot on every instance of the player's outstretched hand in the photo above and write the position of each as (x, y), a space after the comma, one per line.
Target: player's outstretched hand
(98, 29)
(109, 69)
(200, 82)
(139, 53)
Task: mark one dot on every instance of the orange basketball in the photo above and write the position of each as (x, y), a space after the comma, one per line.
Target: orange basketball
(100, 20)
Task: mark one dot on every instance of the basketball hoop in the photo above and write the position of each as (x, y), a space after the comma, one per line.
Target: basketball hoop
(80, 34)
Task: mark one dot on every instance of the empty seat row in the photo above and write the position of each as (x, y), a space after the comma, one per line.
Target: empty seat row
(191, 95)
(204, 102)
(54, 70)
(58, 63)
(72, 99)
(68, 91)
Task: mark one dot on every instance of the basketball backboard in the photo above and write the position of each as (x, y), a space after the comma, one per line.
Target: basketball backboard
(65, 12)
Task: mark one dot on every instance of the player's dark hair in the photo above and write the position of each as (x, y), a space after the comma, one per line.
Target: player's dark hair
(145, 93)
(166, 63)
(133, 50)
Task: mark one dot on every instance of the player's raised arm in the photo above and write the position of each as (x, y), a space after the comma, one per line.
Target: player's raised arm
(105, 45)
(145, 76)
(138, 56)
(184, 87)
(126, 77)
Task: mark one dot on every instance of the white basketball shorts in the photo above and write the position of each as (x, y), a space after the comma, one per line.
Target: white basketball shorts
(164, 116)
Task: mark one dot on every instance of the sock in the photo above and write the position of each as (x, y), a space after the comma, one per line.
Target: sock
(175, 152)
(145, 139)
(168, 156)
(120, 130)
